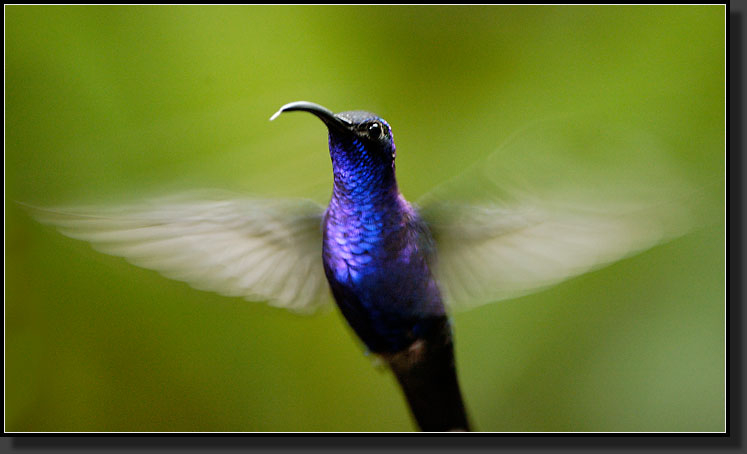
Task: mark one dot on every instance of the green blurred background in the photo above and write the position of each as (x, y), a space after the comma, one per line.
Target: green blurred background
(104, 103)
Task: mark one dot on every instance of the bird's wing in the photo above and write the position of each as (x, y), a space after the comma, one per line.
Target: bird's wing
(557, 200)
(257, 249)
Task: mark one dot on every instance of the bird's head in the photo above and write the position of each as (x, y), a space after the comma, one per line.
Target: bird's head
(361, 143)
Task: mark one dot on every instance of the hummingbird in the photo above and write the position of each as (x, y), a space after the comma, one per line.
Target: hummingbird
(391, 267)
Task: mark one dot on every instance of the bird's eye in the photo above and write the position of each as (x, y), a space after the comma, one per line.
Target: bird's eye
(374, 129)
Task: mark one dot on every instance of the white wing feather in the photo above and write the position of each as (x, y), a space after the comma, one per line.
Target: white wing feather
(556, 201)
(256, 249)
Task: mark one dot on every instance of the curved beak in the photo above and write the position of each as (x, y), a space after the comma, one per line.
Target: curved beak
(327, 116)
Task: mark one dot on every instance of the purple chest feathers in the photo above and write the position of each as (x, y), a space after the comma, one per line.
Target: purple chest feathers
(364, 241)
(354, 241)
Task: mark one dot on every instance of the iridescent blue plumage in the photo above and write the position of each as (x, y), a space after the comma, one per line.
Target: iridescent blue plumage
(377, 252)
(378, 258)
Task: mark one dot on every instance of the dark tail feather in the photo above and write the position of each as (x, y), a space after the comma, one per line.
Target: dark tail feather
(427, 374)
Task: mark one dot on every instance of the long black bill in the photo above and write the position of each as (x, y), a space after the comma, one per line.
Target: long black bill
(324, 114)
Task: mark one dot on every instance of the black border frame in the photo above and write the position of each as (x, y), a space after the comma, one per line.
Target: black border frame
(730, 441)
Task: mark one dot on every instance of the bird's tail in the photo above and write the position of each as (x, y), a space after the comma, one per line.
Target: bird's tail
(427, 373)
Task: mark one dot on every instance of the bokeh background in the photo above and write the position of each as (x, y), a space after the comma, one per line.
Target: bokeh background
(104, 103)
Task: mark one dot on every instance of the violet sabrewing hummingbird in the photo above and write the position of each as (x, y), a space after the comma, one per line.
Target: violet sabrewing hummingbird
(377, 254)
(389, 265)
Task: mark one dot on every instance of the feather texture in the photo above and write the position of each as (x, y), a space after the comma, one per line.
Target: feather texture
(256, 249)
(560, 198)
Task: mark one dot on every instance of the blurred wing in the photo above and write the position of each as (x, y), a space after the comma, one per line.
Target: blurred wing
(257, 249)
(557, 200)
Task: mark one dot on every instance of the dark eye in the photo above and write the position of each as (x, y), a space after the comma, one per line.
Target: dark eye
(374, 129)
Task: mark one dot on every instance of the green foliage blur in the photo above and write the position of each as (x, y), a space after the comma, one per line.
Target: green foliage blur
(106, 103)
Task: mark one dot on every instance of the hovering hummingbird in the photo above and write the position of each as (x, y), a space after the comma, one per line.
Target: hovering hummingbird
(390, 266)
